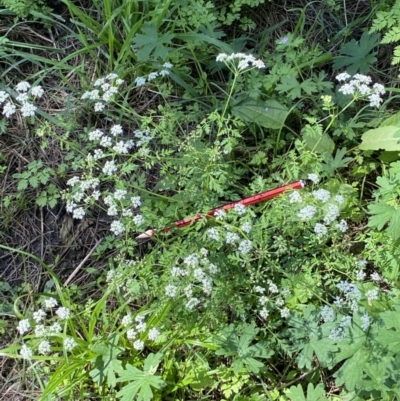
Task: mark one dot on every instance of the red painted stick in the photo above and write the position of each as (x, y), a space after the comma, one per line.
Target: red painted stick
(246, 202)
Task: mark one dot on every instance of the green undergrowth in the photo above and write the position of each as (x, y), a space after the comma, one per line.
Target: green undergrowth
(144, 114)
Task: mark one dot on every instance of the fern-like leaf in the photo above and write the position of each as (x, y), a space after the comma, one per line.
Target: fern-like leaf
(392, 36)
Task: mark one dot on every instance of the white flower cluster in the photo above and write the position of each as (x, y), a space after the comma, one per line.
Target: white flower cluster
(246, 61)
(24, 96)
(140, 327)
(105, 89)
(45, 333)
(359, 85)
(140, 81)
(269, 304)
(195, 274)
(328, 204)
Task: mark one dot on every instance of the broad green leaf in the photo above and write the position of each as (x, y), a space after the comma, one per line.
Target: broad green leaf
(383, 214)
(23, 184)
(358, 57)
(319, 143)
(151, 42)
(268, 114)
(352, 370)
(392, 120)
(381, 138)
(140, 382)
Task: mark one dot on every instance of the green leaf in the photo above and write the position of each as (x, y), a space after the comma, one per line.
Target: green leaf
(319, 143)
(42, 199)
(34, 182)
(339, 161)
(294, 88)
(23, 184)
(151, 42)
(313, 394)
(351, 372)
(358, 57)
(383, 214)
(141, 381)
(381, 138)
(268, 114)
(106, 364)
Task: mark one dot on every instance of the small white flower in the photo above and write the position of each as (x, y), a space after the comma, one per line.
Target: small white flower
(39, 315)
(26, 352)
(342, 226)
(171, 290)
(22, 97)
(163, 73)
(332, 214)
(126, 320)
(72, 181)
(9, 109)
(343, 76)
(55, 328)
(3, 96)
(264, 313)
(328, 314)
(263, 300)
(138, 220)
(314, 178)
(154, 334)
(279, 302)
(44, 347)
(109, 168)
(23, 326)
(152, 75)
(78, 213)
(285, 312)
(376, 277)
(213, 269)
(41, 331)
(119, 194)
(22, 86)
(98, 106)
(272, 287)
(231, 238)
(246, 227)
(69, 344)
(245, 246)
(347, 89)
(138, 345)
(213, 234)
(220, 214)
(240, 209)
(116, 130)
(37, 91)
(136, 201)
(322, 194)
(141, 327)
(105, 141)
(167, 65)
(131, 334)
(63, 313)
(140, 81)
(192, 303)
(259, 289)
(295, 197)
(307, 212)
(360, 275)
(366, 321)
(372, 295)
(117, 227)
(320, 229)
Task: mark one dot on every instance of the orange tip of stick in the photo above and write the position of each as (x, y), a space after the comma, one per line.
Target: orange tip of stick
(146, 234)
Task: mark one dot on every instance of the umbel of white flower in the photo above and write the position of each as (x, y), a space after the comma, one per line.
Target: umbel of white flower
(243, 61)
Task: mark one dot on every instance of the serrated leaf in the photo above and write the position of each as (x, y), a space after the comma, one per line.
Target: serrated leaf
(351, 371)
(42, 199)
(290, 85)
(381, 138)
(383, 214)
(268, 114)
(357, 56)
(151, 42)
(141, 382)
(23, 184)
(33, 182)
